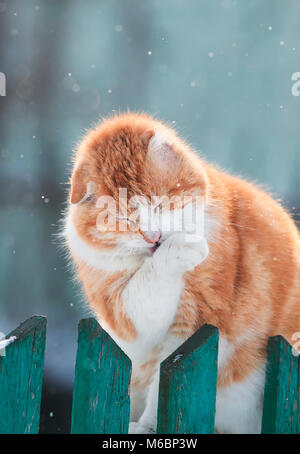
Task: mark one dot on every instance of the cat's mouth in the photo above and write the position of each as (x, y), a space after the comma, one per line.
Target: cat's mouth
(155, 247)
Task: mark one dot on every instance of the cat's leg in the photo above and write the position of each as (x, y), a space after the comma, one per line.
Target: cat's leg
(152, 295)
(148, 421)
(239, 405)
(151, 300)
(138, 395)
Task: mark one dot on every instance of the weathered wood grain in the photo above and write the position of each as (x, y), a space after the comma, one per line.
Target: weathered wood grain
(188, 383)
(101, 402)
(21, 377)
(281, 412)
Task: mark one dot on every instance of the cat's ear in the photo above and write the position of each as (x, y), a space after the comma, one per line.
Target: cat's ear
(146, 136)
(81, 186)
(162, 152)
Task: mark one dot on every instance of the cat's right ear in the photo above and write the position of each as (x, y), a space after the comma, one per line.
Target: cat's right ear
(81, 186)
(162, 153)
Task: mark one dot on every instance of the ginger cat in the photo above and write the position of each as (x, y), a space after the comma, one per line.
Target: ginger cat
(152, 284)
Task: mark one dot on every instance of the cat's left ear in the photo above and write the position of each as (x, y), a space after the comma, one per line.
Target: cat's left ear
(146, 137)
(81, 186)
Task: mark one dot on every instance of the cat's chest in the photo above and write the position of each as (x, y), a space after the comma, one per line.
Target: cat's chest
(146, 348)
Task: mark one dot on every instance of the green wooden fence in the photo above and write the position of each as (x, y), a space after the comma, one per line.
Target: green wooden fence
(101, 404)
(21, 378)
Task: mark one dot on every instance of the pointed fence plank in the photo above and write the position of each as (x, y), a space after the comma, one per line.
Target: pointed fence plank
(188, 384)
(21, 377)
(281, 412)
(101, 402)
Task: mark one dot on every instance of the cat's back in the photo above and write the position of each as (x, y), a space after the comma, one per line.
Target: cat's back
(268, 245)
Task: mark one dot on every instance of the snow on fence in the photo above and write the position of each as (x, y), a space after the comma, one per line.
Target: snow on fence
(101, 404)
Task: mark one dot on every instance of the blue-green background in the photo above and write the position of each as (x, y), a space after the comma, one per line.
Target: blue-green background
(220, 70)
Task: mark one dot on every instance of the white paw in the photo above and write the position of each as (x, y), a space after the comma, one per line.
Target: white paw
(181, 252)
(190, 256)
(137, 428)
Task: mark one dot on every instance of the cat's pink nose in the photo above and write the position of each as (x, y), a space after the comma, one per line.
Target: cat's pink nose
(152, 237)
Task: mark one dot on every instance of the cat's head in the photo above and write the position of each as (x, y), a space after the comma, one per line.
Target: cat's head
(134, 182)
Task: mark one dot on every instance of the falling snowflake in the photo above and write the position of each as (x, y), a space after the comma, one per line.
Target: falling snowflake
(76, 88)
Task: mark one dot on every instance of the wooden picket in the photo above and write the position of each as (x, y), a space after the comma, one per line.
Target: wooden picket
(101, 403)
(21, 378)
(101, 388)
(281, 413)
(188, 386)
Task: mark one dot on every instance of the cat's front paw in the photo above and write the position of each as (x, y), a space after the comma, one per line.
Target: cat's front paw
(137, 428)
(181, 253)
(192, 254)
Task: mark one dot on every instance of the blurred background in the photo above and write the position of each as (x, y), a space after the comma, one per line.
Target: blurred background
(219, 70)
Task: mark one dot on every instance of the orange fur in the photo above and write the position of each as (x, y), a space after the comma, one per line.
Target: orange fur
(249, 286)
(104, 294)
